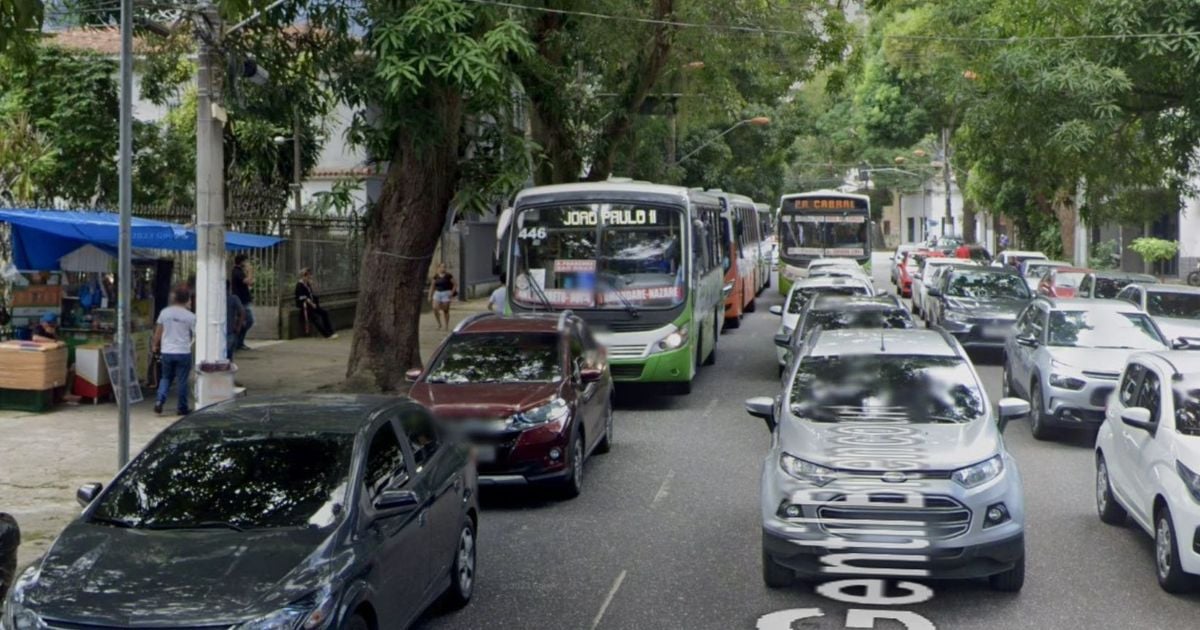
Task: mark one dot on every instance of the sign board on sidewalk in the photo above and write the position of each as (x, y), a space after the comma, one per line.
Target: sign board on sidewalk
(114, 371)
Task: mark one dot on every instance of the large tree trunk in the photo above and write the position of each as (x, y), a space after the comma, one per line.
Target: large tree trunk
(1064, 211)
(402, 232)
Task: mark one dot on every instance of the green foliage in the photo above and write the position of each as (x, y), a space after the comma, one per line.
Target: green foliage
(1153, 250)
(26, 157)
(1103, 253)
(19, 19)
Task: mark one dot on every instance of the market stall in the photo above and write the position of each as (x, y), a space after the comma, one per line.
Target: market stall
(62, 277)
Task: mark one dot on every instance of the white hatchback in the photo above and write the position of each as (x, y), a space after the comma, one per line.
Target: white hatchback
(1148, 460)
(801, 293)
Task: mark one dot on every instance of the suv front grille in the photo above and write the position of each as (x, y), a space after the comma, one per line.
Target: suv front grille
(942, 517)
(625, 372)
(1107, 376)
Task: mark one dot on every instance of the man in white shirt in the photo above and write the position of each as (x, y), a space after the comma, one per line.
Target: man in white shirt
(499, 300)
(173, 340)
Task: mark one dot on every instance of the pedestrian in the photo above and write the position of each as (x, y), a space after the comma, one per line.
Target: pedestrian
(10, 539)
(499, 300)
(235, 318)
(310, 304)
(441, 291)
(963, 251)
(173, 335)
(243, 279)
(1003, 242)
(46, 330)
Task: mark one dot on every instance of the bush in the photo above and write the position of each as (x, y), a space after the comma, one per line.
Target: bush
(1103, 253)
(1154, 250)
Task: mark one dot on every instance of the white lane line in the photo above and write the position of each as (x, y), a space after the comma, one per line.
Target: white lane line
(608, 600)
(712, 404)
(663, 490)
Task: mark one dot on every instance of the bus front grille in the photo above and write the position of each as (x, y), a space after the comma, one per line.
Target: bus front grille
(626, 351)
(626, 372)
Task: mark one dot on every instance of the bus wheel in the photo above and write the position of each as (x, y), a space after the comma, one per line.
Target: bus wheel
(712, 356)
(733, 322)
(752, 306)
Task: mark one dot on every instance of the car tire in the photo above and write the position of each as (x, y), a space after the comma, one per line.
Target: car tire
(775, 575)
(711, 359)
(1107, 507)
(573, 484)
(733, 322)
(357, 622)
(462, 570)
(1167, 566)
(752, 306)
(1037, 413)
(1011, 580)
(605, 444)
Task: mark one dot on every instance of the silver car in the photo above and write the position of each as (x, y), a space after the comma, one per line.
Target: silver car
(1175, 308)
(886, 453)
(803, 291)
(1065, 356)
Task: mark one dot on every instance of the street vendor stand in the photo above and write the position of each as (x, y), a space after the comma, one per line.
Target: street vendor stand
(66, 264)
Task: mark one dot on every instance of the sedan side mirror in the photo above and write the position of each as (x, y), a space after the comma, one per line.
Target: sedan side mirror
(412, 375)
(1138, 418)
(1027, 340)
(777, 310)
(395, 502)
(762, 407)
(88, 493)
(591, 375)
(783, 341)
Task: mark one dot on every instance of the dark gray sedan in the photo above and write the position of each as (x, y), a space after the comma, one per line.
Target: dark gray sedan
(978, 305)
(262, 514)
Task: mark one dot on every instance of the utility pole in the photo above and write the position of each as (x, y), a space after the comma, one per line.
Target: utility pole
(949, 218)
(124, 243)
(297, 169)
(210, 210)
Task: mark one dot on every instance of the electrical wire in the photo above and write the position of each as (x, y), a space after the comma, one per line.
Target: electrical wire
(643, 20)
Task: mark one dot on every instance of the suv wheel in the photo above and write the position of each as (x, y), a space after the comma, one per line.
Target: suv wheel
(1167, 567)
(1037, 415)
(605, 444)
(774, 575)
(573, 484)
(1110, 511)
(1011, 580)
(462, 572)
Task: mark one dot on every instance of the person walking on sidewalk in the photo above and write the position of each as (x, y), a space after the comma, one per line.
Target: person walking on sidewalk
(235, 318)
(243, 279)
(173, 340)
(310, 305)
(441, 291)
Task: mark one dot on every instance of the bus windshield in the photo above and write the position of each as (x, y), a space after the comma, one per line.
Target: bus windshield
(819, 235)
(598, 256)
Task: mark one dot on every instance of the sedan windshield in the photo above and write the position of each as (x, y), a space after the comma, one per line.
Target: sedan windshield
(498, 358)
(859, 318)
(982, 285)
(800, 297)
(1171, 304)
(235, 479)
(1103, 329)
(913, 389)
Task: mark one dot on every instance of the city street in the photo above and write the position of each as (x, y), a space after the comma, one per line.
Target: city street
(666, 533)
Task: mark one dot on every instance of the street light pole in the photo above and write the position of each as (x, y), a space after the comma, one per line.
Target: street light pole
(124, 243)
(757, 121)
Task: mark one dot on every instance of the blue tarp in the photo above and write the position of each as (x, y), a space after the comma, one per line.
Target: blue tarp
(41, 237)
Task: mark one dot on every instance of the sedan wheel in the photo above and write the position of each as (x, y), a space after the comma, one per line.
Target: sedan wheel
(1110, 511)
(462, 574)
(1166, 555)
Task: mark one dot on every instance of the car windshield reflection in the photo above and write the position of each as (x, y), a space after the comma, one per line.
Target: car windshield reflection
(1101, 329)
(499, 358)
(870, 319)
(1169, 304)
(982, 285)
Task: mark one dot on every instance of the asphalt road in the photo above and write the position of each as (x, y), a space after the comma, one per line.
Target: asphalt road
(667, 533)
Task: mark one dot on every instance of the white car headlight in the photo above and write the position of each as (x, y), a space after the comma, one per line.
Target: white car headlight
(673, 341)
(1191, 480)
(980, 473)
(311, 613)
(554, 410)
(807, 471)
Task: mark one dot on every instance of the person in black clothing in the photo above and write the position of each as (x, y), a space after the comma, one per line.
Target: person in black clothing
(442, 290)
(310, 305)
(243, 279)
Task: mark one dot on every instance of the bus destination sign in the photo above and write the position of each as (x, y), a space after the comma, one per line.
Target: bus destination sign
(828, 203)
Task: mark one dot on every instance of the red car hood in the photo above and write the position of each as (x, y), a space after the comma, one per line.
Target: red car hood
(481, 401)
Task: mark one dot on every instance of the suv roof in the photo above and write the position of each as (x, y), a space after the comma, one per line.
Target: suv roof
(833, 302)
(1171, 288)
(1125, 275)
(1084, 304)
(883, 341)
(523, 323)
(830, 281)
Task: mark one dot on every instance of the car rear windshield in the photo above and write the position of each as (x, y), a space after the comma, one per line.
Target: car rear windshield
(1103, 329)
(1070, 279)
(236, 479)
(1108, 288)
(800, 297)
(498, 358)
(859, 318)
(903, 388)
(1170, 304)
(984, 285)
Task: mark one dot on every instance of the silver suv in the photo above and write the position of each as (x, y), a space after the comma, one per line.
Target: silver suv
(887, 455)
(1065, 355)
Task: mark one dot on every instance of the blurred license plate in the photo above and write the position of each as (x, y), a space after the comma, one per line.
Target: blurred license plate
(486, 453)
(996, 332)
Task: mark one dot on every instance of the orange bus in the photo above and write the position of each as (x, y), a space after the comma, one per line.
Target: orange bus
(743, 254)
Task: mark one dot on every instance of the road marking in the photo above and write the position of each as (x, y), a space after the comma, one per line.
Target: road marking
(663, 490)
(712, 404)
(608, 600)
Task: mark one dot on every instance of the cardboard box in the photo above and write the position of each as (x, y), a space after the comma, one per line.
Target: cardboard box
(32, 366)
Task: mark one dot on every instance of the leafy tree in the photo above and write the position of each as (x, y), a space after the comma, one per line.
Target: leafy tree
(26, 158)
(1154, 250)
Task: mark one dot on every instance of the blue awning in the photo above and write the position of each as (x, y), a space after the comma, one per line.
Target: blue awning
(41, 237)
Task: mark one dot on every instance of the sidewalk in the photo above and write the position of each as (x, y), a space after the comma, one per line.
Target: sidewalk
(45, 457)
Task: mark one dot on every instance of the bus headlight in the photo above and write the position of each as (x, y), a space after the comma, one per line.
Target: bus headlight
(673, 341)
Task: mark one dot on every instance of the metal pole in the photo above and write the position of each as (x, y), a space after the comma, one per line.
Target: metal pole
(210, 208)
(946, 177)
(297, 169)
(124, 244)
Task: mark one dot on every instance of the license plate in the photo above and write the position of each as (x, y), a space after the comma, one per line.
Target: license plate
(486, 453)
(996, 332)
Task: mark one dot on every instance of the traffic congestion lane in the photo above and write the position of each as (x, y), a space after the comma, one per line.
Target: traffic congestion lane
(666, 533)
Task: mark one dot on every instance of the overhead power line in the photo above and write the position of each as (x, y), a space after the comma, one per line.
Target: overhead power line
(644, 20)
(1045, 38)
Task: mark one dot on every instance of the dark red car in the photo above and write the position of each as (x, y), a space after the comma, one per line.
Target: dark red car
(912, 264)
(532, 392)
(1062, 282)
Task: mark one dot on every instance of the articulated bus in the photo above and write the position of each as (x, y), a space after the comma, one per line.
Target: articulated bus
(768, 246)
(641, 263)
(740, 235)
(821, 224)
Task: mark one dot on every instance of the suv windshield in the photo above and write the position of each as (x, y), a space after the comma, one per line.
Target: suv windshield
(1171, 304)
(985, 285)
(859, 318)
(913, 389)
(800, 297)
(237, 479)
(599, 256)
(1103, 329)
(498, 358)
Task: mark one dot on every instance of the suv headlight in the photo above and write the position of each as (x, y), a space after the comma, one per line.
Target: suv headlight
(672, 341)
(1191, 480)
(554, 410)
(980, 473)
(806, 471)
(957, 316)
(16, 616)
(311, 613)
(1064, 381)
